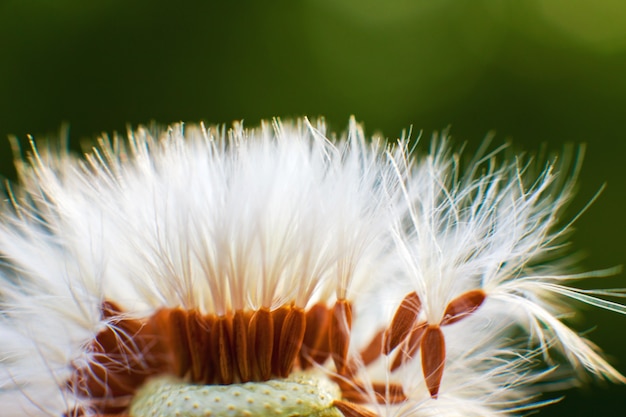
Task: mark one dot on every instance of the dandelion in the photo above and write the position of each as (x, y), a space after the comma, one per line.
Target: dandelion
(281, 271)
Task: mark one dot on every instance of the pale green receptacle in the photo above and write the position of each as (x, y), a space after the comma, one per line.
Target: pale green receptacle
(300, 395)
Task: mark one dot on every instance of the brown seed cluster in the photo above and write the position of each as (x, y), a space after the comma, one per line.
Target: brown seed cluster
(412, 335)
(207, 349)
(257, 346)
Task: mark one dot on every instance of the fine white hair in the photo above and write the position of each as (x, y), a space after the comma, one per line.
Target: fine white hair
(215, 220)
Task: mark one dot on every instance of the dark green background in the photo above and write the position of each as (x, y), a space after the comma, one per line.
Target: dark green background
(551, 71)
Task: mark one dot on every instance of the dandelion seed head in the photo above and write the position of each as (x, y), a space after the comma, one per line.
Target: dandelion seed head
(195, 269)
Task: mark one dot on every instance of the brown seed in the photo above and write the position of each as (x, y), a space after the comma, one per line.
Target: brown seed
(373, 350)
(261, 343)
(278, 316)
(349, 409)
(240, 339)
(339, 333)
(357, 392)
(291, 336)
(433, 358)
(315, 343)
(221, 344)
(463, 306)
(409, 347)
(175, 325)
(198, 337)
(402, 322)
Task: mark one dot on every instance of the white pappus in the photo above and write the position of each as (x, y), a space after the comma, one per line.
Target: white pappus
(197, 271)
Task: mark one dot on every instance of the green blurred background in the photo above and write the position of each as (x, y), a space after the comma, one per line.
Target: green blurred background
(551, 71)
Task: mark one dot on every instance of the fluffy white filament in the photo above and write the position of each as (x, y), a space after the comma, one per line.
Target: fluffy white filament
(217, 221)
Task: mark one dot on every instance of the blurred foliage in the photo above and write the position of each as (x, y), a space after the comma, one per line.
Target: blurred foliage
(536, 71)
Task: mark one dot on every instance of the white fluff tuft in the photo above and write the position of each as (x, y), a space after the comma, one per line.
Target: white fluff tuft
(494, 224)
(185, 217)
(217, 221)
